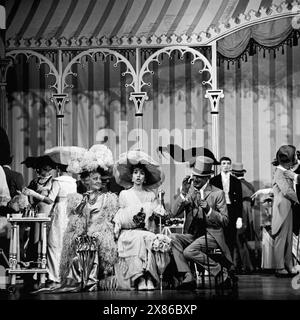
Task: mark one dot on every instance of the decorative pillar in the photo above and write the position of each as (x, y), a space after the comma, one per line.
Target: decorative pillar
(59, 100)
(214, 98)
(5, 63)
(138, 99)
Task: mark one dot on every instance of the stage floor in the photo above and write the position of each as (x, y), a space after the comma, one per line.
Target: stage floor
(250, 287)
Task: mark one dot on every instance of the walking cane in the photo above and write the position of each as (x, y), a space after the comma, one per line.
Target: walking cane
(297, 259)
(206, 245)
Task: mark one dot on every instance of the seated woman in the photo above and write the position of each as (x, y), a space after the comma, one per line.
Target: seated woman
(136, 267)
(89, 250)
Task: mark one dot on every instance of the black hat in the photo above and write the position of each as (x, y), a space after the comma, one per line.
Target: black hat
(39, 162)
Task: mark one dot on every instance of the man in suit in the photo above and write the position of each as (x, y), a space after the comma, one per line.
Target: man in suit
(205, 210)
(234, 200)
(245, 233)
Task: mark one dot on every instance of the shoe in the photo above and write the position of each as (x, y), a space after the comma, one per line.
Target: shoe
(226, 284)
(283, 273)
(142, 285)
(188, 283)
(150, 285)
(221, 277)
(233, 277)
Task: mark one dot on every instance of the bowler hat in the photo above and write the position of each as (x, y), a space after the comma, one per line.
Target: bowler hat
(237, 167)
(203, 166)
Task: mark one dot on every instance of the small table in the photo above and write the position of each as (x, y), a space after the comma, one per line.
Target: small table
(14, 249)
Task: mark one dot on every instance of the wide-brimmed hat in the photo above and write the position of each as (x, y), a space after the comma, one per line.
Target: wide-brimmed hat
(203, 167)
(238, 167)
(285, 155)
(98, 157)
(39, 162)
(123, 169)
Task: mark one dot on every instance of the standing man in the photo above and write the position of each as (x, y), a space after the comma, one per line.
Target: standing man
(248, 223)
(233, 195)
(205, 208)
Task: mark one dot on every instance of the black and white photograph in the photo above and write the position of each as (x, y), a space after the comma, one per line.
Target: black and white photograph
(149, 157)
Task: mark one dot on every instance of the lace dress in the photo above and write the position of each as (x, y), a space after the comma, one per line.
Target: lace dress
(135, 241)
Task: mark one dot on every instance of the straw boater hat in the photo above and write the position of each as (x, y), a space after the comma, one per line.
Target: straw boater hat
(123, 169)
(203, 167)
(238, 168)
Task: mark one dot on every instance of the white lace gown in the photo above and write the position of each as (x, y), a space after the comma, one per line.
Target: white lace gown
(61, 187)
(134, 245)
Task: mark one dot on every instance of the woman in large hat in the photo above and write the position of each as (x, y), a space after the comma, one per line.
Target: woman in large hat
(141, 174)
(89, 250)
(282, 218)
(62, 185)
(42, 184)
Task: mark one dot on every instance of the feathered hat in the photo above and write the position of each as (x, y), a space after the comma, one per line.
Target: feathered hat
(99, 155)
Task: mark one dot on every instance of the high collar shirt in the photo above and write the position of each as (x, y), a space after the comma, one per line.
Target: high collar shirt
(226, 185)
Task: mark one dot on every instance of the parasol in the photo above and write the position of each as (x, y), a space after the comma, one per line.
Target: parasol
(161, 247)
(64, 154)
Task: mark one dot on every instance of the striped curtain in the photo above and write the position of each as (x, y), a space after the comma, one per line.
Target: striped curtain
(260, 111)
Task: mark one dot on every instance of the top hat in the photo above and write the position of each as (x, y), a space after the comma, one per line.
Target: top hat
(203, 166)
(237, 167)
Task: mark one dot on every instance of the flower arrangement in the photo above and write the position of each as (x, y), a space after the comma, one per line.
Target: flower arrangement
(161, 243)
(19, 202)
(4, 199)
(97, 155)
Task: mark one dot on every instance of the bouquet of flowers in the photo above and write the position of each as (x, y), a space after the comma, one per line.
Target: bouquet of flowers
(161, 243)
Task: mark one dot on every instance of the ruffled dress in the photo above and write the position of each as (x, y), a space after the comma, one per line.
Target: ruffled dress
(89, 250)
(135, 243)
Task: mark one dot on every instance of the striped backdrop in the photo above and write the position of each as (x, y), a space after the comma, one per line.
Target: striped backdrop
(97, 18)
(260, 112)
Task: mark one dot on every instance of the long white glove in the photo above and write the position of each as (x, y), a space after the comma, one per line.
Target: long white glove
(261, 192)
(239, 223)
(29, 192)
